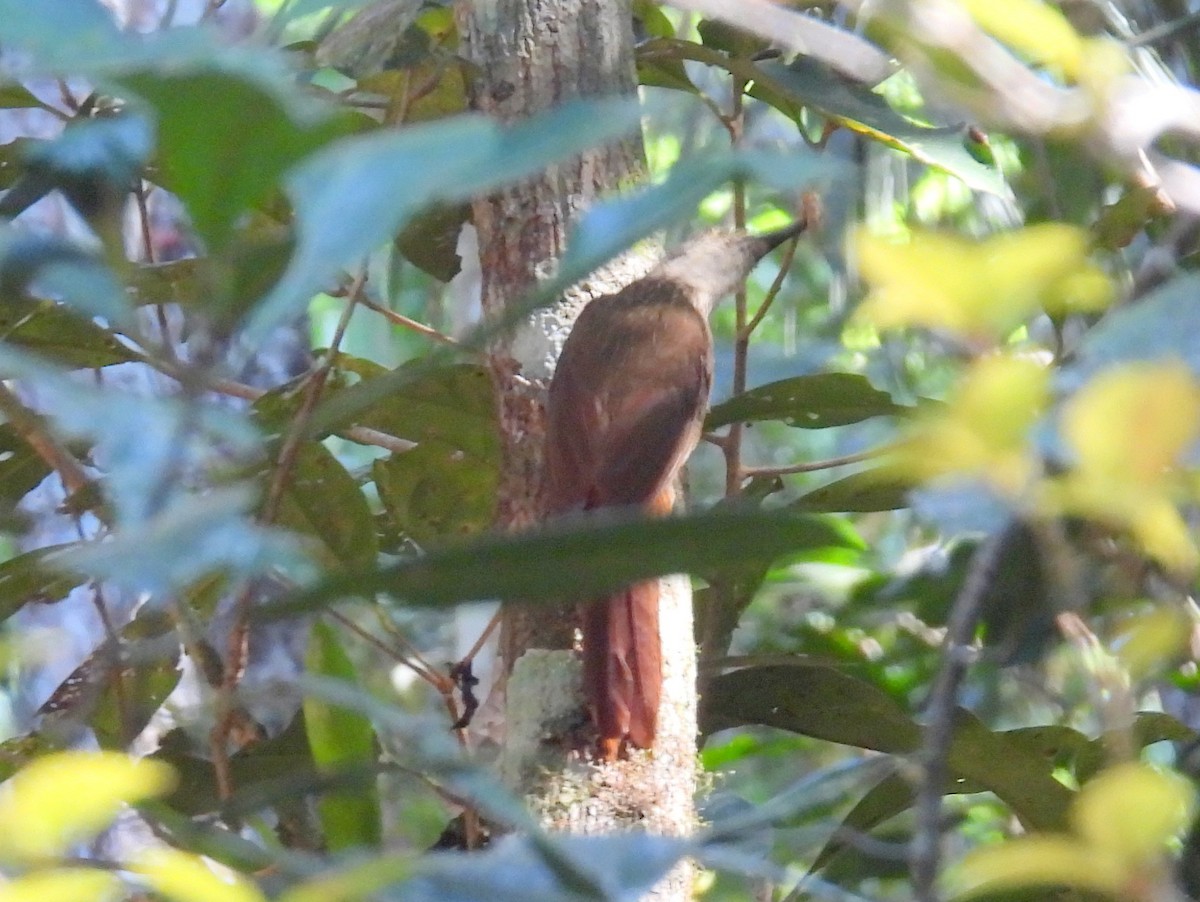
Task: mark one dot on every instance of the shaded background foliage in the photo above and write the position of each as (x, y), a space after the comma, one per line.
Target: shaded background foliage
(207, 505)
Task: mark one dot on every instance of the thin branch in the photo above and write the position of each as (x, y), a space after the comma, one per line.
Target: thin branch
(813, 466)
(395, 654)
(789, 254)
(483, 637)
(1166, 30)
(401, 320)
(362, 435)
(741, 347)
(33, 429)
(957, 656)
(440, 681)
(239, 633)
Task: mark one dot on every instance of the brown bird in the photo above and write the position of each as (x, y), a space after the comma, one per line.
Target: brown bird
(624, 414)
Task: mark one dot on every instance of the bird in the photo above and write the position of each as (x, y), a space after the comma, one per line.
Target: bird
(624, 412)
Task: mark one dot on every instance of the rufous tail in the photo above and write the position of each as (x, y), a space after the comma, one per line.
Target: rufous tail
(622, 666)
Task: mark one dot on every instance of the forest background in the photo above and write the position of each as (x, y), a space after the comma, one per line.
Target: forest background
(263, 454)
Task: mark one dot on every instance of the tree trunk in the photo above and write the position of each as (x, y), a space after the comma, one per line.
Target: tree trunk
(534, 55)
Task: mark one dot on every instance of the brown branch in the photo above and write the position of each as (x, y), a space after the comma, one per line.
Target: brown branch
(741, 346)
(362, 435)
(32, 428)
(417, 667)
(401, 320)
(239, 633)
(789, 254)
(957, 656)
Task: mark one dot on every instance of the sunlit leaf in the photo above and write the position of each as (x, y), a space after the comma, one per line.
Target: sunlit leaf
(182, 877)
(1036, 860)
(1128, 428)
(983, 430)
(981, 289)
(66, 797)
(62, 885)
(1153, 641)
(1129, 812)
(1035, 29)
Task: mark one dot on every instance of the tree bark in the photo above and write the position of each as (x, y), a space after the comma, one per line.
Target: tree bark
(533, 55)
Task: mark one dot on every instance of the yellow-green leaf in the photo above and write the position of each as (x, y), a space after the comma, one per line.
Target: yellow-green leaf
(1128, 428)
(62, 885)
(356, 882)
(67, 797)
(186, 878)
(983, 429)
(980, 289)
(1129, 812)
(1036, 861)
(1154, 641)
(1038, 32)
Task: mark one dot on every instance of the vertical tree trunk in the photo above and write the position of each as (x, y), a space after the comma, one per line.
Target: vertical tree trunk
(534, 55)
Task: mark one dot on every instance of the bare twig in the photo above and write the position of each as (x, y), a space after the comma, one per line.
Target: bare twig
(957, 656)
(417, 667)
(789, 254)
(736, 125)
(32, 428)
(401, 320)
(239, 634)
(813, 466)
(362, 435)
(1166, 30)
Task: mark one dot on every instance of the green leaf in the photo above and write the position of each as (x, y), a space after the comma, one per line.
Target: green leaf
(1149, 727)
(814, 699)
(218, 159)
(1018, 766)
(21, 469)
(322, 500)
(810, 402)
(194, 537)
(807, 83)
(430, 241)
(817, 700)
(577, 558)
(887, 798)
(35, 576)
(18, 751)
(339, 737)
(877, 489)
(729, 38)
(450, 405)
(352, 198)
(59, 334)
(115, 690)
(433, 492)
(279, 758)
(14, 96)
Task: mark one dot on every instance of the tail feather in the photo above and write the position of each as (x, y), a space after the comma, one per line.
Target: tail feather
(622, 664)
